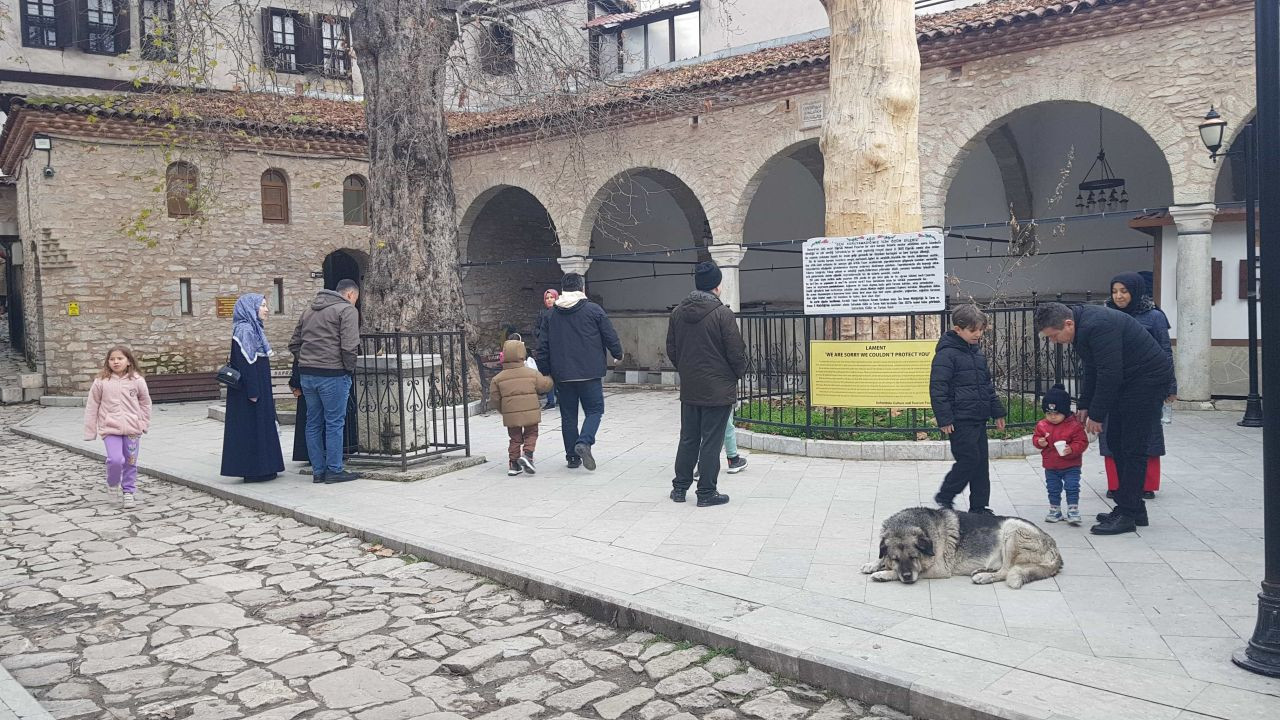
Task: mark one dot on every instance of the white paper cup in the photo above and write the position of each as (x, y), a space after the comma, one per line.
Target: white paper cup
(1061, 445)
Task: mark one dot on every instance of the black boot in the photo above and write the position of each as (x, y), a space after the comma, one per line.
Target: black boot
(1140, 520)
(1115, 524)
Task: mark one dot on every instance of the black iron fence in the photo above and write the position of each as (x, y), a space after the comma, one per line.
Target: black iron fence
(410, 395)
(775, 394)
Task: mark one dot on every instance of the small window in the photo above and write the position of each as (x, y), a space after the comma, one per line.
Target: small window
(633, 49)
(658, 43)
(158, 42)
(688, 35)
(335, 42)
(40, 24)
(284, 37)
(498, 51)
(105, 28)
(184, 295)
(277, 297)
(355, 199)
(182, 180)
(275, 197)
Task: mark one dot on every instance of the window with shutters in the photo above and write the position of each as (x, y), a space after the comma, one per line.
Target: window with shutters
(181, 182)
(355, 201)
(275, 197)
(498, 51)
(158, 30)
(40, 23)
(103, 22)
(286, 36)
(335, 42)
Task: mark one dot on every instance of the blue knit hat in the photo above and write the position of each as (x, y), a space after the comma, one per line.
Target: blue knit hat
(1057, 400)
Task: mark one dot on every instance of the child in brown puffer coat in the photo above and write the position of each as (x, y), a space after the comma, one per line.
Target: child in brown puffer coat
(514, 392)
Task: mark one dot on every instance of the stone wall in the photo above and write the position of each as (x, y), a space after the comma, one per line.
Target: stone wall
(128, 292)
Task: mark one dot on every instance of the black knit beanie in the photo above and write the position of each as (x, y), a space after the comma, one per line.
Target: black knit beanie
(706, 276)
(1057, 400)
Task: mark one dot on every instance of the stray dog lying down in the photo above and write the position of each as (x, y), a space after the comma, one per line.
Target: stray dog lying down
(922, 542)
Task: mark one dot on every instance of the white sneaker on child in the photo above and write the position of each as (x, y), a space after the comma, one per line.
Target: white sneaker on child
(128, 501)
(1073, 515)
(1055, 515)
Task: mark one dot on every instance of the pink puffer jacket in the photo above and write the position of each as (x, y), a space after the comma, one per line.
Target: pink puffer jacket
(117, 406)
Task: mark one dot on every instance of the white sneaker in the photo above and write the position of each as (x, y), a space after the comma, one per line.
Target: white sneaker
(1055, 515)
(128, 501)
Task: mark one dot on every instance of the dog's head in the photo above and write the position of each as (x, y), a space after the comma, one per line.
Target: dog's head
(907, 552)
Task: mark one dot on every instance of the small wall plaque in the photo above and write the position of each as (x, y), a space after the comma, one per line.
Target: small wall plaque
(226, 305)
(73, 309)
(812, 113)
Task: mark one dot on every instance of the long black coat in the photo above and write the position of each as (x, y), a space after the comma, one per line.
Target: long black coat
(960, 388)
(1156, 323)
(250, 441)
(1117, 353)
(705, 345)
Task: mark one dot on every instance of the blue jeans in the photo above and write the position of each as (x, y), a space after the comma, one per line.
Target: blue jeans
(1055, 480)
(326, 415)
(730, 439)
(590, 393)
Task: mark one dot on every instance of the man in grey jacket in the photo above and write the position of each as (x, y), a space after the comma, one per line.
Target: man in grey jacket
(325, 344)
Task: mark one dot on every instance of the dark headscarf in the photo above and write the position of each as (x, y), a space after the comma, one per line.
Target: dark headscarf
(1139, 300)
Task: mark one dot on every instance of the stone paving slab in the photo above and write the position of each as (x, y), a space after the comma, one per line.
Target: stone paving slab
(16, 703)
(1137, 627)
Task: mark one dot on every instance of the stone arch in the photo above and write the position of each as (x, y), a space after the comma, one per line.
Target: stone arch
(510, 231)
(623, 186)
(800, 148)
(476, 204)
(952, 145)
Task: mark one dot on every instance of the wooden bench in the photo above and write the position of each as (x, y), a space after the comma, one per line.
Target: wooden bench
(184, 387)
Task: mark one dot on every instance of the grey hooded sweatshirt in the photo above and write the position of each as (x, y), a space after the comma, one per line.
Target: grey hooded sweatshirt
(327, 337)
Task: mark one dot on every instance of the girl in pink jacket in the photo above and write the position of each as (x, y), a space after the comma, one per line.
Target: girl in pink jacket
(119, 410)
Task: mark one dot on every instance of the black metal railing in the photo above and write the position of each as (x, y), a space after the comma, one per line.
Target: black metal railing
(411, 395)
(774, 395)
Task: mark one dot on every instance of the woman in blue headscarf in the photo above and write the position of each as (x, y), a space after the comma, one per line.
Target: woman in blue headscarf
(250, 440)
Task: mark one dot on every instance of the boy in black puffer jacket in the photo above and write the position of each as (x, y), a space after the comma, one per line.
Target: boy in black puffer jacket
(963, 399)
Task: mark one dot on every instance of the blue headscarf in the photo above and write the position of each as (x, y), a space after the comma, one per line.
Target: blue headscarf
(246, 328)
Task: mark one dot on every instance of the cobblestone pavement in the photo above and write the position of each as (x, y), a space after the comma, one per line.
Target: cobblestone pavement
(192, 607)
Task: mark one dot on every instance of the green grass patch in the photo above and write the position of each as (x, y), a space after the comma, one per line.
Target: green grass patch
(886, 424)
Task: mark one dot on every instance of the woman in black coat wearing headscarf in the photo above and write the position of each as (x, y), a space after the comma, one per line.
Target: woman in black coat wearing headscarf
(1129, 295)
(250, 439)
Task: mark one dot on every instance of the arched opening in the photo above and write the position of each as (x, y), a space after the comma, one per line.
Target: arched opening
(787, 204)
(355, 200)
(655, 228)
(345, 264)
(1029, 165)
(182, 182)
(509, 245)
(275, 197)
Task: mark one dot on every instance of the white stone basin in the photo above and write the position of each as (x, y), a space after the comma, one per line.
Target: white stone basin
(393, 363)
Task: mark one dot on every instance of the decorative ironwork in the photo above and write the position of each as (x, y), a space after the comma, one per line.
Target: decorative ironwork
(1106, 181)
(412, 397)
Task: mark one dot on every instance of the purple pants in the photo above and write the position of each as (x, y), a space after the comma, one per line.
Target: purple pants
(122, 462)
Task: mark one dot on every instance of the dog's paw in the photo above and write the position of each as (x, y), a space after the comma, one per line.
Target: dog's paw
(1013, 579)
(884, 576)
(982, 571)
(870, 567)
(984, 578)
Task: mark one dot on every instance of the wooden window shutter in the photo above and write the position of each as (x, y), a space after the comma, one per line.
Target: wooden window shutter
(268, 46)
(306, 30)
(81, 22)
(275, 197)
(181, 182)
(123, 26)
(1243, 294)
(355, 201)
(1215, 283)
(65, 18)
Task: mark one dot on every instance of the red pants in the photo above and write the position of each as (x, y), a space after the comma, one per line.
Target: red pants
(1150, 484)
(526, 436)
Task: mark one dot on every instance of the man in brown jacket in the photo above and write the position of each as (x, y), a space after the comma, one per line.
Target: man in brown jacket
(706, 347)
(514, 391)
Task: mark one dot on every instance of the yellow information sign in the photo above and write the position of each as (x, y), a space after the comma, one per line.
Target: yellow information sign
(885, 373)
(73, 309)
(226, 305)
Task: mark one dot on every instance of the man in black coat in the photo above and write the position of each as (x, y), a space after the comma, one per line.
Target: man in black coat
(1126, 379)
(705, 345)
(571, 348)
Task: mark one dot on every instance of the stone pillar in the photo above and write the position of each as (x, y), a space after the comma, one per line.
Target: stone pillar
(574, 264)
(728, 257)
(1194, 298)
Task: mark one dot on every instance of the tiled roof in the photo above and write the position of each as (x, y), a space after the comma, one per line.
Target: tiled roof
(626, 17)
(295, 115)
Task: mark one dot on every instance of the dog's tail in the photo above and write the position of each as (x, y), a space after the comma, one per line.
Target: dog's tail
(1038, 557)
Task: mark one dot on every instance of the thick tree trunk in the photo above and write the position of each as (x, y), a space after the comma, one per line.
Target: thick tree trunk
(413, 280)
(872, 172)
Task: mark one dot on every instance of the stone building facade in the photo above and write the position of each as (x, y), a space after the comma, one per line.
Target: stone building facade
(89, 285)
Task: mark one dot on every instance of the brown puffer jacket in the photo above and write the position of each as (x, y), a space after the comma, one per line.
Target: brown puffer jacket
(514, 391)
